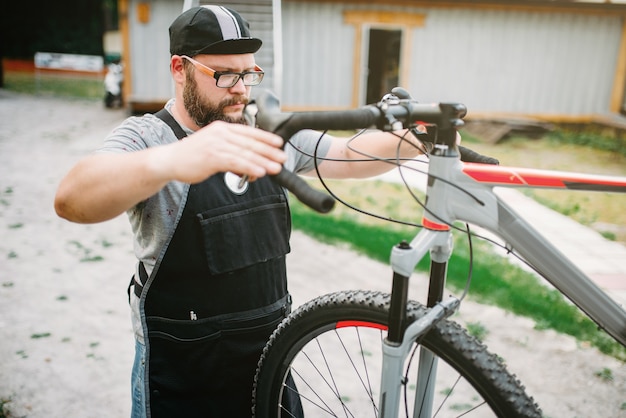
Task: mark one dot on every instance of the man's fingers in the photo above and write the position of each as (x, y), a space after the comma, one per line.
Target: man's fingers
(221, 147)
(259, 134)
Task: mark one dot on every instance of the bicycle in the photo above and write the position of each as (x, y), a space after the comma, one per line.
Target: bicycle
(362, 327)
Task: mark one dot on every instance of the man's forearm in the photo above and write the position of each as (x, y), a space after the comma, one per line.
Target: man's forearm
(346, 156)
(103, 186)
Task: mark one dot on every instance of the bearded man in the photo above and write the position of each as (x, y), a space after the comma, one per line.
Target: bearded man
(211, 230)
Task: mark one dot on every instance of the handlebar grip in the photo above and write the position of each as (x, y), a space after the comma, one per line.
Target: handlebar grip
(315, 199)
(469, 156)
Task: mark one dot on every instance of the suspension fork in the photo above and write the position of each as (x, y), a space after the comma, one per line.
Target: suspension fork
(427, 366)
(397, 344)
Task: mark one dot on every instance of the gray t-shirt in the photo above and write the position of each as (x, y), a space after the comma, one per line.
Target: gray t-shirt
(153, 220)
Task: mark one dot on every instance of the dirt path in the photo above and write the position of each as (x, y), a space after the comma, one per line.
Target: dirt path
(65, 337)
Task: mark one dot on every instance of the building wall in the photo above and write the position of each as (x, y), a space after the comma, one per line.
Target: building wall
(549, 63)
(317, 54)
(148, 57)
(546, 63)
(518, 62)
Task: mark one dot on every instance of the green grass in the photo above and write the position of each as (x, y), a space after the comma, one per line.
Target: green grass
(495, 281)
(70, 86)
(590, 136)
(4, 411)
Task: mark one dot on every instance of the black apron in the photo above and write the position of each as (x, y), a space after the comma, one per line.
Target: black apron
(212, 301)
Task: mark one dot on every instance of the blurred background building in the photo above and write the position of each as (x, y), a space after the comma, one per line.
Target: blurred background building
(553, 60)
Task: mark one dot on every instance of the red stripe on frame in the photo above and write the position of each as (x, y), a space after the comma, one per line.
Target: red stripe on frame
(345, 324)
(428, 224)
(514, 176)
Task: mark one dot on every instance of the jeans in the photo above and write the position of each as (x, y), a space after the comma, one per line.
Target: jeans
(138, 394)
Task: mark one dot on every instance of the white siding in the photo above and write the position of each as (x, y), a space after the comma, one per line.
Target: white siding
(150, 51)
(317, 55)
(517, 62)
(493, 61)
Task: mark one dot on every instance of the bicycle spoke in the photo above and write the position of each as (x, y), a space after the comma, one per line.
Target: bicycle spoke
(368, 386)
(332, 377)
(324, 408)
(333, 389)
(443, 401)
(473, 409)
(366, 369)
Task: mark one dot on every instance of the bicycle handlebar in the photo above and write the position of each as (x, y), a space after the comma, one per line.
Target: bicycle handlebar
(386, 115)
(394, 112)
(315, 199)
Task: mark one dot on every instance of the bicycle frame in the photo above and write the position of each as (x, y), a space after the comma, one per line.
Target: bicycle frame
(464, 192)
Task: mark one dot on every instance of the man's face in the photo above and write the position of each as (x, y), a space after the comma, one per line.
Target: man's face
(204, 101)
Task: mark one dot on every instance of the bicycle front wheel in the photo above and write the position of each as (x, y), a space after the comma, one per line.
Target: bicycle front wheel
(325, 360)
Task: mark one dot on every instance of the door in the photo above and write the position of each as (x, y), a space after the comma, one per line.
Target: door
(383, 63)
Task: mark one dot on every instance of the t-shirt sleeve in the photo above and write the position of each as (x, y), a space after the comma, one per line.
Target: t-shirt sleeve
(304, 147)
(137, 133)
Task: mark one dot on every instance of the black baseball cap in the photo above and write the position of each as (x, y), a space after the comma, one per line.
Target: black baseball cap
(211, 30)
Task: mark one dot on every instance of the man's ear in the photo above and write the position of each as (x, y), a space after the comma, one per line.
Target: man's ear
(177, 68)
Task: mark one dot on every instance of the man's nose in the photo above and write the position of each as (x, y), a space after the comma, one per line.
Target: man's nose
(239, 87)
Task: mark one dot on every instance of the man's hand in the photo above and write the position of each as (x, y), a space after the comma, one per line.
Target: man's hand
(221, 147)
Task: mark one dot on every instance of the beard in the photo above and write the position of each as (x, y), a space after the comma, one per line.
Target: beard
(201, 111)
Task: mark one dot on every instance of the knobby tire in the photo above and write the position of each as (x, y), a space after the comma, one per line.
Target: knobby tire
(329, 382)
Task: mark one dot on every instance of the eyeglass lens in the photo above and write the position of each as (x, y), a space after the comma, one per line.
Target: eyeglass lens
(230, 79)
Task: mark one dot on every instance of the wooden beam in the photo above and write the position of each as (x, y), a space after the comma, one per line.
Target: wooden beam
(122, 10)
(619, 81)
(555, 6)
(357, 17)
(356, 64)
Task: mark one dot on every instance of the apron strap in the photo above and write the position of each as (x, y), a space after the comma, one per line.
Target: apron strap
(167, 117)
(143, 278)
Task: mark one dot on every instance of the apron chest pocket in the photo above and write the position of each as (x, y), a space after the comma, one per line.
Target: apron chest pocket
(244, 234)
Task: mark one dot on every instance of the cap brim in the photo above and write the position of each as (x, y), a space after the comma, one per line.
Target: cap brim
(233, 46)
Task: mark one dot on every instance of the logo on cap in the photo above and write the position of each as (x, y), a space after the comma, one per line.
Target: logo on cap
(211, 30)
(227, 21)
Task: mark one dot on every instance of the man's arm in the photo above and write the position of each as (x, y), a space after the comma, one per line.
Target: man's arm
(379, 144)
(102, 186)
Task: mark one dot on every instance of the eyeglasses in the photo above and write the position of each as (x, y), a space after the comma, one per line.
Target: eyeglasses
(226, 79)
